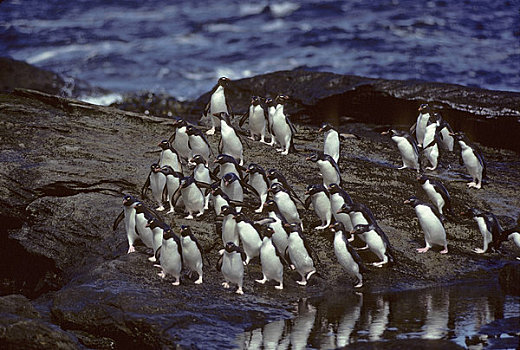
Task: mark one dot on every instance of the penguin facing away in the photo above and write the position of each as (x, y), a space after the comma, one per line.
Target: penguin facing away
(232, 267)
(431, 223)
(170, 256)
(217, 104)
(436, 192)
(271, 259)
(191, 252)
(320, 198)
(489, 227)
(331, 142)
(473, 160)
(347, 256)
(299, 252)
(407, 147)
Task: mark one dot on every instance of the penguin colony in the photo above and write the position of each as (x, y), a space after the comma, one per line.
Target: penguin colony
(183, 179)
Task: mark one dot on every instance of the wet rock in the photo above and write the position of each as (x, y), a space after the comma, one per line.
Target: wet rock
(509, 278)
(412, 344)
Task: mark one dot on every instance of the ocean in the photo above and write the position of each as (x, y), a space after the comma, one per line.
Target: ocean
(182, 47)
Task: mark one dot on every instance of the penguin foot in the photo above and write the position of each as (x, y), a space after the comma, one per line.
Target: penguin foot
(302, 283)
(351, 239)
(285, 152)
(160, 208)
(131, 249)
(422, 250)
(431, 168)
(401, 168)
(359, 284)
(279, 287)
(262, 281)
(189, 217)
(176, 283)
(200, 214)
(239, 291)
(161, 274)
(221, 252)
(172, 210)
(479, 250)
(445, 251)
(267, 143)
(152, 258)
(362, 248)
(518, 258)
(311, 273)
(157, 265)
(292, 267)
(279, 149)
(210, 131)
(225, 285)
(471, 184)
(321, 227)
(259, 210)
(199, 280)
(379, 264)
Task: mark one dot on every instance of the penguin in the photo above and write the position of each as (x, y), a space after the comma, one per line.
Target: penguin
(170, 256)
(283, 130)
(235, 188)
(436, 192)
(271, 108)
(359, 214)
(298, 253)
(271, 259)
(257, 119)
(229, 224)
(430, 147)
(273, 175)
(285, 203)
(198, 142)
(320, 198)
(230, 142)
(512, 234)
(473, 160)
(157, 227)
(431, 223)
(156, 181)
(338, 197)
(279, 237)
(231, 265)
(257, 178)
(407, 147)
(217, 103)
(489, 227)
(180, 139)
(444, 132)
(347, 256)
(192, 196)
(202, 174)
(420, 125)
(331, 142)
(128, 214)
(329, 169)
(173, 183)
(142, 216)
(227, 164)
(377, 242)
(249, 236)
(169, 156)
(191, 252)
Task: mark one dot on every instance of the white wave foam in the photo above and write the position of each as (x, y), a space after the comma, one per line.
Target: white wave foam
(103, 100)
(283, 9)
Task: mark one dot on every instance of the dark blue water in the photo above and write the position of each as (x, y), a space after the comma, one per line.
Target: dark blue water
(182, 47)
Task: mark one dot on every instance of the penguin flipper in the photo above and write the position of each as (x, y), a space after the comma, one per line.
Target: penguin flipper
(219, 263)
(157, 253)
(146, 185)
(213, 176)
(118, 219)
(307, 202)
(356, 256)
(281, 257)
(249, 187)
(243, 118)
(413, 128)
(287, 256)
(265, 221)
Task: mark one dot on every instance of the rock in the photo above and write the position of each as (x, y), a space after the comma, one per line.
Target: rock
(509, 278)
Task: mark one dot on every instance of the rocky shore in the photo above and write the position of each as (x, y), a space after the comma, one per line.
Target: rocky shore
(68, 282)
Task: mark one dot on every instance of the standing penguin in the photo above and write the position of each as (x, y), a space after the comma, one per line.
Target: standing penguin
(202, 174)
(338, 197)
(170, 256)
(271, 108)
(180, 139)
(191, 252)
(173, 183)
(359, 214)
(347, 256)
(407, 147)
(430, 147)
(257, 119)
(229, 224)
(279, 236)
(192, 196)
(142, 217)
(231, 265)
(249, 236)
(444, 132)
(331, 142)
(158, 227)
(227, 164)
(271, 259)
(198, 142)
(431, 223)
(230, 142)
(128, 213)
(299, 253)
(489, 227)
(320, 198)
(377, 242)
(156, 181)
(419, 127)
(437, 193)
(473, 160)
(274, 175)
(329, 169)
(285, 203)
(257, 178)
(169, 156)
(217, 103)
(283, 130)
(235, 188)
(512, 234)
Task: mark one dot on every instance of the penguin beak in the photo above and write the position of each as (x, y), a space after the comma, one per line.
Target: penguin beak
(340, 211)
(306, 193)
(385, 132)
(407, 201)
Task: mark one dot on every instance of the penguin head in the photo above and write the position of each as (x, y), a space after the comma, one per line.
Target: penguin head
(270, 205)
(140, 208)
(255, 100)
(314, 188)
(361, 228)
(421, 178)
(153, 223)
(424, 107)
(346, 208)
(223, 116)
(269, 102)
(281, 99)
(336, 227)
(472, 212)
(225, 158)
(227, 210)
(164, 144)
(215, 189)
(254, 168)
(179, 122)
(437, 118)
(268, 231)
(197, 159)
(186, 181)
(325, 127)
(334, 188)
(223, 81)
(239, 217)
(231, 247)
(185, 230)
(313, 157)
(276, 187)
(155, 168)
(168, 233)
(291, 227)
(459, 136)
(191, 130)
(229, 178)
(128, 200)
(273, 174)
(413, 201)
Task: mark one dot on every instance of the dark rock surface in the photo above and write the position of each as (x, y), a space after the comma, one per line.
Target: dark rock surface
(509, 278)
(66, 165)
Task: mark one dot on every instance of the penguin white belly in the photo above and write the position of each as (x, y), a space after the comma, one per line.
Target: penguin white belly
(299, 256)
(233, 268)
(229, 233)
(344, 257)
(181, 143)
(170, 258)
(191, 256)
(410, 158)
(218, 203)
(281, 130)
(434, 196)
(321, 205)
(198, 146)
(145, 233)
(486, 235)
(234, 191)
(331, 144)
(228, 168)
(131, 234)
(358, 218)
(201, 174)
(336, 201)
(328, 173)
(193, 199)
(250, 240)
(279, 238)
(157, 183)
(287, 207)
(375, 244)
(157, 241)
(258, 183)
(515, 238)
(171, 159)
(434, 232)
(422, 121)
(272, 268)
(231, 143)
(472, 164)
(447, 140)
(217, 105)
(257, 122)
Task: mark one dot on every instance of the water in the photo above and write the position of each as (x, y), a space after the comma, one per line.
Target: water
(450, 313)
(182, 47)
